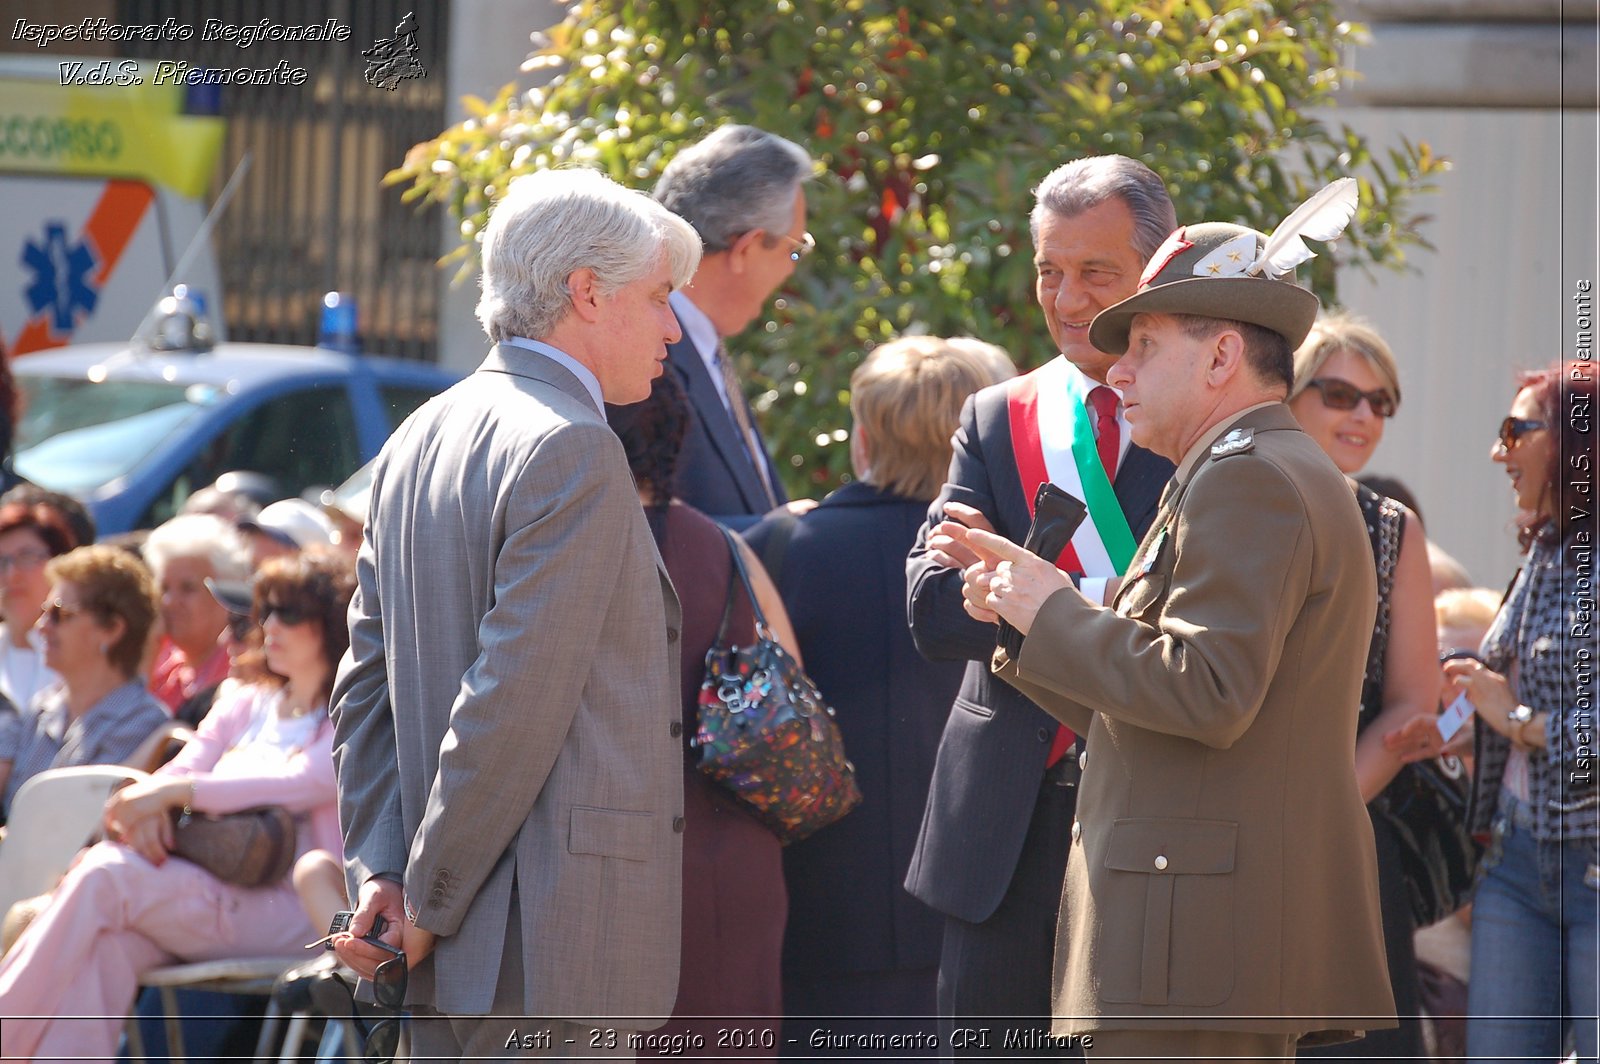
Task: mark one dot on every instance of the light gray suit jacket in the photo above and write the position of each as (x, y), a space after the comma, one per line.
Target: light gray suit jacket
(506, 710)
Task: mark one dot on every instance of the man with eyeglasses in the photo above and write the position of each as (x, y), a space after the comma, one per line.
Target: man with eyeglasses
(743, 191)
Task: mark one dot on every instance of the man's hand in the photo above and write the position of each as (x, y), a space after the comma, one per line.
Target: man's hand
(1007, 581)
(799, 507)
(386, 898)
(943, 546)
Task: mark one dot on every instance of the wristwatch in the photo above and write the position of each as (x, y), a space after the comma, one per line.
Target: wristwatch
(1521, 715)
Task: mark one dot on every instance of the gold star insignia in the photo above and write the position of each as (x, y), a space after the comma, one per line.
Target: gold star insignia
(1215, 267)
(1234, 256)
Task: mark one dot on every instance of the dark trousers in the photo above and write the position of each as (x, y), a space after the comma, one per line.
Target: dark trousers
(995, 976)
(1405, 1041)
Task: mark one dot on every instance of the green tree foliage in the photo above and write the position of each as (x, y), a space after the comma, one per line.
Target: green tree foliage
(932, 121)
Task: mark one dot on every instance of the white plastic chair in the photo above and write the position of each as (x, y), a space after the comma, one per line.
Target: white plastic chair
(52, 817)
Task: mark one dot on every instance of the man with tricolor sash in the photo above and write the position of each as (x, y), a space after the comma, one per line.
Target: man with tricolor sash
(993, 847)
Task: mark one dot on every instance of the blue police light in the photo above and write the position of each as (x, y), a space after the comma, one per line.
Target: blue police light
(338, 330)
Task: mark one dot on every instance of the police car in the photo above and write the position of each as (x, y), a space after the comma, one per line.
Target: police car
(133, 430)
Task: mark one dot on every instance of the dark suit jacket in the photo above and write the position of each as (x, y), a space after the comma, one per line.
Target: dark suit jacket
(843, 579)
(715, 474)
(992, 757)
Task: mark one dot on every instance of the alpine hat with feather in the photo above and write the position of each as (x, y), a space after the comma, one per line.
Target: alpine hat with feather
(1222, 270)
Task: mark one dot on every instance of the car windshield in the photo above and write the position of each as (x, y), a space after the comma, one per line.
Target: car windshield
(77, 434)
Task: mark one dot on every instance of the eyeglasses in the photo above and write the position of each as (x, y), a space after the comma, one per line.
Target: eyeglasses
(59, 611)
(381, 1039)
(23, 560)
(1513, 429)
(289, 615)
(802, 247)
(1342, 395)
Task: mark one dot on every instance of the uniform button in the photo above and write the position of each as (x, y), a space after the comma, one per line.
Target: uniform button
(677, 824)
(1161, 863)
(675, 729)
(1044, 735)
(1083, 761)
(1077, 831)
(672, 635)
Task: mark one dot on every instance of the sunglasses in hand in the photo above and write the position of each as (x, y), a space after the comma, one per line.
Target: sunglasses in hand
(379, 1040)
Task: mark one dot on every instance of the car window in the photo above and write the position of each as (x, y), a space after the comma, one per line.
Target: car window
(303, 437)
(77, 434)
(402, 399)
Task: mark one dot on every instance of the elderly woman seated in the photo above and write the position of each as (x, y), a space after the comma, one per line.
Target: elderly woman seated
(97, 616)
(184, 552)
(131, 905)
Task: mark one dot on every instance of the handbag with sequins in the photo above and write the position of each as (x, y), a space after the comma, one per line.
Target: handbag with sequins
(765, 732)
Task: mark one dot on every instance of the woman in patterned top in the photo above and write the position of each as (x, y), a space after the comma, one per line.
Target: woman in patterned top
(1534, 924)
(1346, 385)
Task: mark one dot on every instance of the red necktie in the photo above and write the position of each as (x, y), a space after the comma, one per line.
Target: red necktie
(1108, 441)
(1108, 434)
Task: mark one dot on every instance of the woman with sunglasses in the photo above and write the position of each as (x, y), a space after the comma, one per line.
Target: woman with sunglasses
(129, 905)
(1346, 385)
(1535, 935)
(97, 614)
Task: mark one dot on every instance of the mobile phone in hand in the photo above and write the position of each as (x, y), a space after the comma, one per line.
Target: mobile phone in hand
(341, 924)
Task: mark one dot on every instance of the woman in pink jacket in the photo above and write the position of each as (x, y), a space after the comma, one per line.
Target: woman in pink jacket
(129, 905)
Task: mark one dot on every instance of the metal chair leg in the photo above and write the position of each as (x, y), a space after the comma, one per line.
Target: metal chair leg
(174, 1025)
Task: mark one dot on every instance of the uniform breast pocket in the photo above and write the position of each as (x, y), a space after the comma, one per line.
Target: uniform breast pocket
(1144, 595)
(1166, 929)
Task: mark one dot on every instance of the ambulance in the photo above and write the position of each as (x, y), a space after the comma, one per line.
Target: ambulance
(103, 189)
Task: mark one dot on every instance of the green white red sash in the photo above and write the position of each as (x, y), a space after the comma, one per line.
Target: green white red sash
(1053, 439)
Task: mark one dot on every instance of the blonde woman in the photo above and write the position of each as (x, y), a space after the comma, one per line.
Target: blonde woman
(1346, 387)
(858, 944)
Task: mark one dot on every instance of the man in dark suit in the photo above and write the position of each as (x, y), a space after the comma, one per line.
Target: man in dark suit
(742, 190)
(995, 835)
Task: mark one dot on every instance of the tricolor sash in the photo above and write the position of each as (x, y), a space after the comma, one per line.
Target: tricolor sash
(1052, 438)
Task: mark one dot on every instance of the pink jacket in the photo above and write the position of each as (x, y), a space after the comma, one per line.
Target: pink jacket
(304, 786)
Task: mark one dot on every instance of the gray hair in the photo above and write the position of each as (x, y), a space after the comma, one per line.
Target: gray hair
(1075, 187)
(549, 225)
(204, 536)
(737, 180)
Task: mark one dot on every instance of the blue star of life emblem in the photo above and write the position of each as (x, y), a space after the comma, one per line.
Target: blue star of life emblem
(60, 277)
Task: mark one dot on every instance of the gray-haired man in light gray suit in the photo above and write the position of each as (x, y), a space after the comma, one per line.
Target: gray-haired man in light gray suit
(506, 719)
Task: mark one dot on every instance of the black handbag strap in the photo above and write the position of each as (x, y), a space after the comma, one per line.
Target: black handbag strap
(744, 579)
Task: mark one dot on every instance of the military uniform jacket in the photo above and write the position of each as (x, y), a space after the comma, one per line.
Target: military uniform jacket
(1225, 870)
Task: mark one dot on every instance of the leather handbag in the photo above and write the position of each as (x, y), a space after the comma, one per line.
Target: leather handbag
(253, 848)
(765, 733)
(1426, 807)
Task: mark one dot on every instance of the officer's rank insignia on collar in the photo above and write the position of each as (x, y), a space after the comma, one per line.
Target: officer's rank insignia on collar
(1238, 441)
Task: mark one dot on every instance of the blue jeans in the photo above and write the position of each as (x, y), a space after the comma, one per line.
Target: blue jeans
(1535, 946)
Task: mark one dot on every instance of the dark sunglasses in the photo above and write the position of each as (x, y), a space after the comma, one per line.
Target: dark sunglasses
(289, 615)
(1342, 395)
(1513, 429)
(380, 1040)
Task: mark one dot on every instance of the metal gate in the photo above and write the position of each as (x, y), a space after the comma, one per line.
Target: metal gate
(311, 215)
